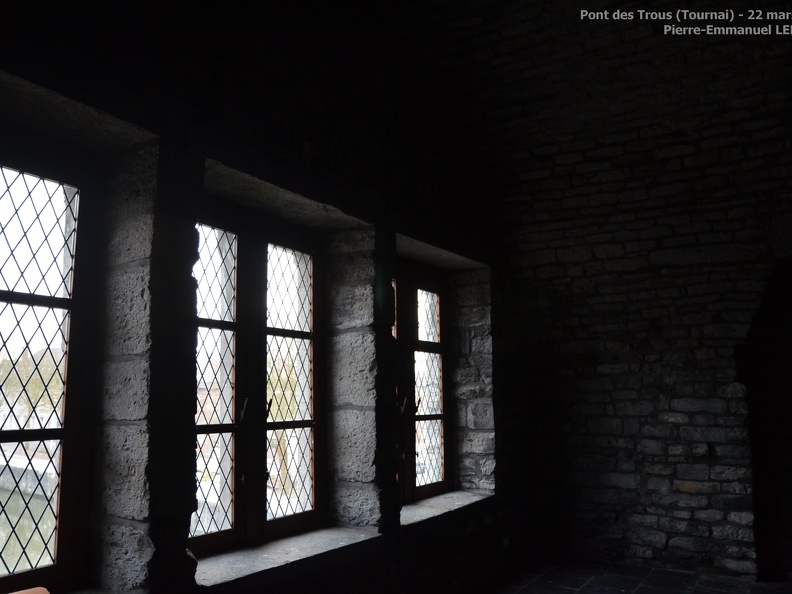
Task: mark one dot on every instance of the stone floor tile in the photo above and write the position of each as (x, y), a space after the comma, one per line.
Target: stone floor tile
(651, 590)
(622, 583)
(543, 588)
(736, 589)
(559, 577)
(518, 585)
(671, 580)
(628, 570)
(723, 584)
(771, 588)
(588, 578)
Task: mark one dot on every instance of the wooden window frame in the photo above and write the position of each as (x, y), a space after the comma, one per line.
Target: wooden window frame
(411, 277)
(40, 156)
(254, 232)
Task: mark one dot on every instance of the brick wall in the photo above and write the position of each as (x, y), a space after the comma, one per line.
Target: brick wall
(638, 217)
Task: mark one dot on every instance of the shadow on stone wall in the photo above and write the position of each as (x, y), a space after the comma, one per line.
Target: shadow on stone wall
(531, 467)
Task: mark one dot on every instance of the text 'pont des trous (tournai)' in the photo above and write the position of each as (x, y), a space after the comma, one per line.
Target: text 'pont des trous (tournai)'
(703, 22)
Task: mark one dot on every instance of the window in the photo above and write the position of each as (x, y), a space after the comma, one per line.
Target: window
(38, 220)
(290, 415)
(215, 273)
(421, 340)
(255, 410)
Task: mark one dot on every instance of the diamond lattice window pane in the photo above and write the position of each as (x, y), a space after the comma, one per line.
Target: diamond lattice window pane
(38, 223)
(428, 316)
(215, 464)
(214, 368)
(289, 288)
(215, 272)
(29, 486)
(428, 382)
(428, 452)
(32, 366)
(290, 463)
(289, 373)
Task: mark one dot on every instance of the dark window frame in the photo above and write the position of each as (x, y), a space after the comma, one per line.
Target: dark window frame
(255, 231)
(409, 278)
(42, 156)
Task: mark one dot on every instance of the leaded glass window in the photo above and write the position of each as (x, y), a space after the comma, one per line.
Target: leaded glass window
(419, 335)
(215, 275)
(255, 415)
(428, 368)
(38, 225)
(290, 414)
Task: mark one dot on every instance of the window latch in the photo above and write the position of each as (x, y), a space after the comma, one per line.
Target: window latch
(403, 405)
(269, 407)
(244, 408)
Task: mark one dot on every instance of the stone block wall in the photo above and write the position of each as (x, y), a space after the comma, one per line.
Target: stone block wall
(471, 382)
(148, 446)
(127, 547)
(352, 374)
(364, 422)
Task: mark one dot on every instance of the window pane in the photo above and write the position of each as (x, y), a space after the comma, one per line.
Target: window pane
(428, 316)
(215, 272)
(29, 478)
(290, 464)
(428, 452)
(289, 372)
(214, 368)
(38, 218)
(428, 382)
(214, 457)
(289, 299)
(32, 366)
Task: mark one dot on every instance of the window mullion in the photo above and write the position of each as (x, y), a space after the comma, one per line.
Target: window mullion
(251, 377)
(408, 339)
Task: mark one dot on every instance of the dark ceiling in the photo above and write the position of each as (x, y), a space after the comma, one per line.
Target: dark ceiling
(489, 83)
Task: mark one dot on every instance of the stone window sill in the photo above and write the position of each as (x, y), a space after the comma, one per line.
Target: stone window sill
(435, 506)
(227, 567)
